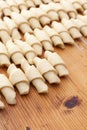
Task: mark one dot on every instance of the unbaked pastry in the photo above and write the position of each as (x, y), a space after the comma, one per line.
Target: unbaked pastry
(4, 56)
(4, 32)
(13, 28)
(84, 4)
(18, 78)
(27, 50)
(29, 3)
(60, 10)
(59, 27)
(44, 39)
(5, 9)
(77, 5)
(37, 2)
(53, 15)
(34, 43)
(56, 61)
(13, 6)
(34, 76)
(69, 8)
(32, 18)
(72, 28)
(21, 4)
(42, 16)
(47, 70)
(57, 41)
(7, 90)
(14, 52)
(21, 22)
(81, 25)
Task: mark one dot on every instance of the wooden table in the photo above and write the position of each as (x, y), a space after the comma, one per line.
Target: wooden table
(65, 105)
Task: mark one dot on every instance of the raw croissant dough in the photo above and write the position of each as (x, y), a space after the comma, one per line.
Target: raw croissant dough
(21, 4)
(50, 11)
(69, 8)
(81, 25)
(21, 22)
(29, 3)
(37, 2)
(13, 28)
(34, 43)
(46, 1)
(14, 52)
(60, 10)
(32, 18)
(5, 8)
(18, 78)
(57, 41)
(13, 6)
(4, 32)
(46, 69)
(62, 32)
(84, 4)
(72, 28)
(77, 5)
(82, 18)
(27, 50)
(57, 62)
(7, 89)
(44, 39)
(34, 76)
(42, 16)
(4, 56)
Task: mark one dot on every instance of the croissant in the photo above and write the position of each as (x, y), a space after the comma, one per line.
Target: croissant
(59, 27)
(13, 6)
(4, 56)
(57, 41)
(27, 50)
(34, 76)
(72, 28)
(44, 39)
(13, 28)
(46, 69)
(56, 61)
(21, 22)
(50, 11)
(81, 25)
(60, 10)
(77, 5)
(34, 43)
(29, 3)
(21, 4)
(5, 8)
(37, 2)
(69, 8)
(4, 32)
(7, 89)
(82, 18)
(18, 78)
(32, 18)
(42, 16)
(14, 52)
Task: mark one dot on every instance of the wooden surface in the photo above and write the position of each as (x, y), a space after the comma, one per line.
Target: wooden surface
(63, 108)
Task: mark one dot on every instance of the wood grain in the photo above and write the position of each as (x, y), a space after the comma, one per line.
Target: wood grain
(63, 108)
